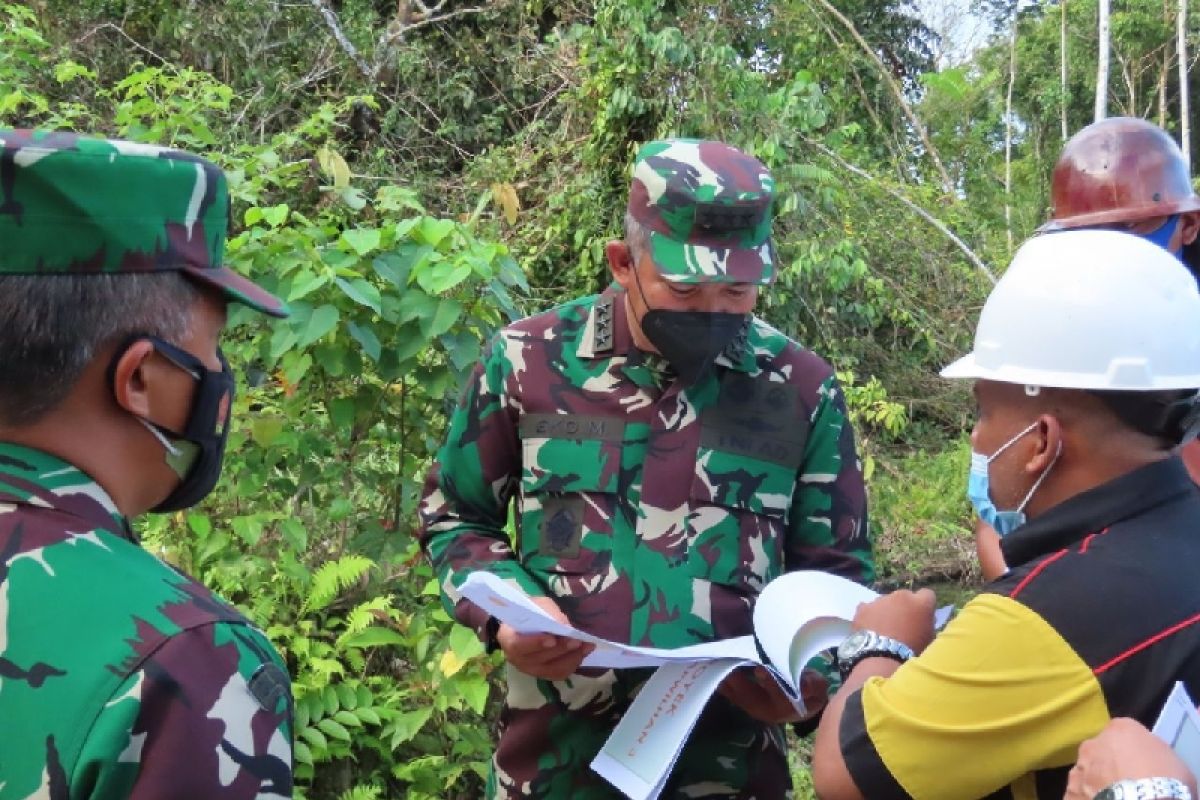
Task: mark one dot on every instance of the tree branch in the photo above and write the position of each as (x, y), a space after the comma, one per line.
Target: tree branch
(916, 209)
(947, 184)
(335, 27)
(392, 33)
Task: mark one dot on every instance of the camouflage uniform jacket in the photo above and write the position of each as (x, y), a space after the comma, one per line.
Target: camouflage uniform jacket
(651, 514)
(120, 677)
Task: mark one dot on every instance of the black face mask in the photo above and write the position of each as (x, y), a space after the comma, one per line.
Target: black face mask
(690, 341)
(197, 452)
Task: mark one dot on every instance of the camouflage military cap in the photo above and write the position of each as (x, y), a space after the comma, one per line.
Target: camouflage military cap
(708, 209)
(72, 204)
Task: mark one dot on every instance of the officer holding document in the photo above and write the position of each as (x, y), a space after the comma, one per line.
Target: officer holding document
(666, 454)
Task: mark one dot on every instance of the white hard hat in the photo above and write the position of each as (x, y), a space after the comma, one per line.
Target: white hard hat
(1089, 309)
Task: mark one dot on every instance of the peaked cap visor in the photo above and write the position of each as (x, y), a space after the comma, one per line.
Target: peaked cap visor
(238, 289)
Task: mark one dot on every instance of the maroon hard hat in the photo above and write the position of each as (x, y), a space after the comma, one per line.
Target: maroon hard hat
(1120, 169)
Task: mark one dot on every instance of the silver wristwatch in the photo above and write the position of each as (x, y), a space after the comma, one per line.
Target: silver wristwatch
(1146, 789)
(869, 644)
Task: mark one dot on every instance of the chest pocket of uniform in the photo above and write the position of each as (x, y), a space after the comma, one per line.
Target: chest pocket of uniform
(751, 448)
(570, 469)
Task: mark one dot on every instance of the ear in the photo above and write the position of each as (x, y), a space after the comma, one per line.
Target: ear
(620, 261)
(1048, 435)
(1189, 227)
(129, 379)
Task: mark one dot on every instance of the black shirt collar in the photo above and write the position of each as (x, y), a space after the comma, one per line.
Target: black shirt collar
(1096, 509)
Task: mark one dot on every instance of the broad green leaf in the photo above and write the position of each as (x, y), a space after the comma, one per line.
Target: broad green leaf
(323, 320)
(295, 534)
(341, 411)
(315, 738)
(200, 524)
(296, 366)
(415, 304)
(248, 529)
(444, 276)
(348, 696)
(276, 215)
(348, 719)
(305, 283)
(475, 691)
(391, 268)
(316, 705)
(333, 703)
(362, 240)
(332, 359)
(334, 729)
(264, 430)
(367, 339)
(448, 312)
(283, 339)
(360, 292)
(302, 753)
(464, 642)
(464, 349)
(368, 715)
(432, 231)
(408, 724)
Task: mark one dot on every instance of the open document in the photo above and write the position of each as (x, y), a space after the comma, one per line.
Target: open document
(797, 616)
(1179, 726)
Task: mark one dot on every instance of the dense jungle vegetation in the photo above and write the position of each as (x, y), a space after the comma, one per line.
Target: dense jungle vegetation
(411, 175)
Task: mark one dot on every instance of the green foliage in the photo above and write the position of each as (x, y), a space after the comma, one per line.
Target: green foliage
(476, 174)
(922, 517)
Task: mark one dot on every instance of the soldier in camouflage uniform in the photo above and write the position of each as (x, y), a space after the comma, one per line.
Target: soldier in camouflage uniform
(119, 676)
(668, 454)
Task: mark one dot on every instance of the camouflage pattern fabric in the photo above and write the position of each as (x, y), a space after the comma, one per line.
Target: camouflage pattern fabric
(69, 203)
(708, 209)
(120, 677)
(651, 514)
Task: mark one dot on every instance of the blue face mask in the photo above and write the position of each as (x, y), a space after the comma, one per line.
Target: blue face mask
(1161, 235)
(979, 491)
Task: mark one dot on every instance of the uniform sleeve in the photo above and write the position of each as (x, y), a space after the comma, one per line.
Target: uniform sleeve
(827, 524)
(998, 694)
(464, 509)
(207, 716)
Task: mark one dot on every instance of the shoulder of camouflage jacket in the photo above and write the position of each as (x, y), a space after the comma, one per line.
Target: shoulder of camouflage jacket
(777, 352)
(772, 350)
(115, 606)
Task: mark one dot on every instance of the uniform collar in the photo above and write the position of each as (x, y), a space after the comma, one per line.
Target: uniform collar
(1098, 508)
(36, 479)
(606, 334)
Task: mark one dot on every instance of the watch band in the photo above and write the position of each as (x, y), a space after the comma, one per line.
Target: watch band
(864, 644)
(491, 630)
(1146, 789)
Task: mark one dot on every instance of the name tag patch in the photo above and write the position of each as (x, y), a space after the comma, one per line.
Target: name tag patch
(572, 426)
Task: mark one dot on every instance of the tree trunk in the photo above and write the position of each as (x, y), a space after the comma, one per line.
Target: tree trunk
(1062, 68)
(1008, 126)
(1102, 64)
(1185, 129)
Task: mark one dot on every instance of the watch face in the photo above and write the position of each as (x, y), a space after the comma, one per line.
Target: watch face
(853, 644)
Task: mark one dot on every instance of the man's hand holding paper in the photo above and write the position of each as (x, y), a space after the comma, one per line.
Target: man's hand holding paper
(543, 655)
(756, 692)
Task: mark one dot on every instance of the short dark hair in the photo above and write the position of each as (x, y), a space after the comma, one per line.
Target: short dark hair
(1164, 415)
(52, 326)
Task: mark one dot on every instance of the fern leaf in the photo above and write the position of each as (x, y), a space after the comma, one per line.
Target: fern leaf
(333, 578)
